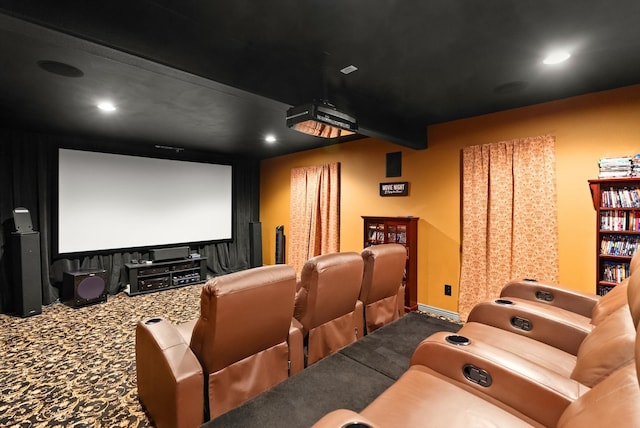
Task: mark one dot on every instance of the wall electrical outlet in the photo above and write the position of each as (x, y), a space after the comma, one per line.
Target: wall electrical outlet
(447, 290)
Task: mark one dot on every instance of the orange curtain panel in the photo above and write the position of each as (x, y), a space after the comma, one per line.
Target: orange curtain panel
(315, 213)
(509, 217)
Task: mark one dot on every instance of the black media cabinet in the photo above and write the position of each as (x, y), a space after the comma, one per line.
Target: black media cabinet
(147, 277)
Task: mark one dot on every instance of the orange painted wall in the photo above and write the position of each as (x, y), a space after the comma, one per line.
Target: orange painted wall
(586, 128)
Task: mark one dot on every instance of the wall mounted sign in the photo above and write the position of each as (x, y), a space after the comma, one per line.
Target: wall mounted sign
(394, 189)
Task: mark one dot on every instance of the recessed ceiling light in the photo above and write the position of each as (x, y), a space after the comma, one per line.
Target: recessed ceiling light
(270, 138)
(106, 106)
(556, 57)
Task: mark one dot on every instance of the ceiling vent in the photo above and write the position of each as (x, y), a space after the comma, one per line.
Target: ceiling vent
(321, 120)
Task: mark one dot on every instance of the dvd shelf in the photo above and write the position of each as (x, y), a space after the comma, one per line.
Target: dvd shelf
(400, 230)
(617, 205)
(616, 220)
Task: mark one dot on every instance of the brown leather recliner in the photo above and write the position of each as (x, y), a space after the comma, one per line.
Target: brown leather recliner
(476, 384)
(607, 347)
(590, 306)
(327, 303)
(421, 397)
(244, 342)
(585, 307)
(558, 317)
(382, 292)
(530, 379)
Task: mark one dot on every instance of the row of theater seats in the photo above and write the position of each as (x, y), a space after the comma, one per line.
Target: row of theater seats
(259, 326)
(538, 356)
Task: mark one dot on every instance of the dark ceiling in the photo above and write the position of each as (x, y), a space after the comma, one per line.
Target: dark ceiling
(219, 76)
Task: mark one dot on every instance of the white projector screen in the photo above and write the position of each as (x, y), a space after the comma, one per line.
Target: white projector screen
(109, 201)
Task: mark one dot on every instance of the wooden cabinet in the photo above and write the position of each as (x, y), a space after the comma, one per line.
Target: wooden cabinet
(617, 205)
(400, 230)
(149, 277)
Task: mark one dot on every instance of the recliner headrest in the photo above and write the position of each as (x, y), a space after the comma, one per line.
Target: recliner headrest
(243, 313)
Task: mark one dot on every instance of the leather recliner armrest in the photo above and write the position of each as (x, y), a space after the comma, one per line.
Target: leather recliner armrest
(358, 318)
(574, 301)
(296, 347)
(556, 327)
(401, 291)
(529, 388)
(169, 376)
(343, 418)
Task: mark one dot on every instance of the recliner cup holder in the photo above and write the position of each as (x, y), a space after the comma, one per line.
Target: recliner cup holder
(504, 302)
(356, 425)
(455, 339)
(152, 321)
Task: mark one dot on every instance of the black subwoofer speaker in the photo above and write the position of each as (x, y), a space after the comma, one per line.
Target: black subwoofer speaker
(84, 287)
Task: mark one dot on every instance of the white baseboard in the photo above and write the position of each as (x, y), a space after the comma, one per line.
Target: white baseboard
(438, 311)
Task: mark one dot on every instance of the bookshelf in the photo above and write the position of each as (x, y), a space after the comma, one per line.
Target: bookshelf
(399, 230)
(617, 205)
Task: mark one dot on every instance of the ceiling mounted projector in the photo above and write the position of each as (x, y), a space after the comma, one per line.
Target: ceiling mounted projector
(321, 120)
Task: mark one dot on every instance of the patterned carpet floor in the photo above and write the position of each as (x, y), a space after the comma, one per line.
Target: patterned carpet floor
(75, 367)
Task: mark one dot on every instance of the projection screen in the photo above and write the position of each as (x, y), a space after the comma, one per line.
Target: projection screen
(111, 201)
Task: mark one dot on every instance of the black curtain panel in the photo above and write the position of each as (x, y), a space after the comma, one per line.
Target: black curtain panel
(28, 179)
(25, 182)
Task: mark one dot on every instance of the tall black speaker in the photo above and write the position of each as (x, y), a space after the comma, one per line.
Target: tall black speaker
(255, 240)
(27, 280)
(280, 245)
(84, 287)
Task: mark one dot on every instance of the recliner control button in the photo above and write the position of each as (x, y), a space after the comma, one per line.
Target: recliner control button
(476, 375)
(521, 323)
(544, 296)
